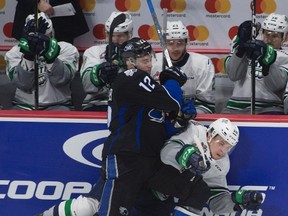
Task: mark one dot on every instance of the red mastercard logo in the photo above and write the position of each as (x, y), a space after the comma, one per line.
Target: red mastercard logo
(200, 33)
(177, 6)
(233, 32)
(214, 6)
(218, 64)
(128, 5)
(87, 5)
(7, 29)
(99, 31)
(148, 32)
(265, 6)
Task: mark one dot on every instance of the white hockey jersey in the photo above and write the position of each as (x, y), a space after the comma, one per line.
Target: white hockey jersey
(269, 90)
(215, 177)
(54, 79)
(200, 84)
(94, 55)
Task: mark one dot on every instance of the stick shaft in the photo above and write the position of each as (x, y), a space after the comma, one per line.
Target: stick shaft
(158, 29)
(36, 68)
(253, 64)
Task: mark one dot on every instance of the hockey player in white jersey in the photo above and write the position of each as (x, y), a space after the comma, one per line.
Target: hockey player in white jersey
(217, 141)
(57, 64)
(270, 71)
(198, 68)
(96, 72)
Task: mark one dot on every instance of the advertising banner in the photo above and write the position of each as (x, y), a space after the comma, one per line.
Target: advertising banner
(46, 160)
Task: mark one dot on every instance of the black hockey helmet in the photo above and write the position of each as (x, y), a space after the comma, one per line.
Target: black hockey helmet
(136, 47)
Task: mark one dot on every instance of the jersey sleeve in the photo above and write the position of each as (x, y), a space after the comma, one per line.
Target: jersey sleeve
(66, 65)
(138, 87)
(205, 95)
(277, 78)
(235, 67)
(93, 56)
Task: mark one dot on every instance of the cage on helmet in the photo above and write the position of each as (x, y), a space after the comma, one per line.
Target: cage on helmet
(226, 129)
(126, 26)
(176, 30)
(45, 17)
(135, 48)
(276, 23)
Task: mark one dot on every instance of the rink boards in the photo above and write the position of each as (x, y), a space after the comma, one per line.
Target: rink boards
(46, 157)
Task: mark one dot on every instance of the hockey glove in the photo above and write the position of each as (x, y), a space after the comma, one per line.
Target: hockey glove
(264, 53)
(25, 49)
(107, 72)
(173, 73)
(245, 199)
(190, 158)
(51, 48)
(102, 74)
(188, 109)
(30, 27)
(243, 35)
(115, 55)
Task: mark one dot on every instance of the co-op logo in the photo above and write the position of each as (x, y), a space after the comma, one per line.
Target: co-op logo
(86, 148)
(199, 33)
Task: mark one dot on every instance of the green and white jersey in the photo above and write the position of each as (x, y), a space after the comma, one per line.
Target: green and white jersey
(220, 200)
(96, 95)
(54, 79)
(200, 84)
(269, 90)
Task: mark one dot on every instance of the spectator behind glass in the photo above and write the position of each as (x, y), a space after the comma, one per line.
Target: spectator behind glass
(57, 65)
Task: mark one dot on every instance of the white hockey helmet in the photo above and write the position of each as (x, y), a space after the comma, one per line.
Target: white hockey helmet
(276, 23)
(226, 129)
(176, 30)
(127, 26)
(45, 17)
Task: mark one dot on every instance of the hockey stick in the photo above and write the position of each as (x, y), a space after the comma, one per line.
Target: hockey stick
(253, 64)
(36, 69)
(165, 10)
(200, 147)
(158, 29)
(116, 21)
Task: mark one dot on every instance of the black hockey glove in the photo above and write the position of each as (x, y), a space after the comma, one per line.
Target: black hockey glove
(107, 72)
(27, 42)
(173, 73)
(245, 199)
(243, 35)
(102, 74)
(263, 53)
(51, 48)
(190, 158)
(115, 55)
